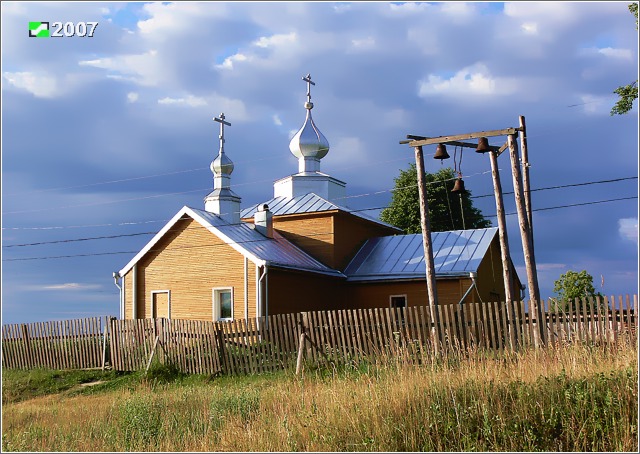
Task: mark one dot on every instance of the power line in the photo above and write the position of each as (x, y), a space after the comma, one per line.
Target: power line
(563, 186)
(81, 239)
(316, 234)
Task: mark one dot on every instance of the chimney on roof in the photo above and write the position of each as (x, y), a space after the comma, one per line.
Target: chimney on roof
(263, 220)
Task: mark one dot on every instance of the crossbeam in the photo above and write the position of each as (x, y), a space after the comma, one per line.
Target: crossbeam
(455, 143)
(471, 135)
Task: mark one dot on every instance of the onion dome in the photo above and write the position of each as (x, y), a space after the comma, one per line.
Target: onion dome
(309, 142)
(222, 165)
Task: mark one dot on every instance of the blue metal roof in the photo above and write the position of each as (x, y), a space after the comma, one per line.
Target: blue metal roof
(276, 251)
(455, 253)
(308, 203)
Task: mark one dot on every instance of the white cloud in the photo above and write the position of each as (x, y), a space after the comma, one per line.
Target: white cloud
(190, 100)
(71, 286)
(469, 81)
(41, 86)
(594, 105)
(347, 150)
(276, 120)
(276, 40)
(365, 43)
(628, 229)
(530, 28)
(609, 52)
(167, 19)
(132, 97)
(616, 53)
(229, 61)
(144, 69)
(551, 266)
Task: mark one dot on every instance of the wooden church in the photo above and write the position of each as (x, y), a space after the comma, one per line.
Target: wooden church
(298, 251)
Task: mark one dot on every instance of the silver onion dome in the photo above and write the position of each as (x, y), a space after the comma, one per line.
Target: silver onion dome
(222, 165)
(309, 142)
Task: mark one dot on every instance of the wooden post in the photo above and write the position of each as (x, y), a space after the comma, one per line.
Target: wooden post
(153, 351)
(426, 235)
(525, 233)
(502, 227)
(301, 346)
(27, 346)
(502, 233)
(525, 174)
(105, 332)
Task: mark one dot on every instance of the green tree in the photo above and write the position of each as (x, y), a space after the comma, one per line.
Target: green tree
(627, 93)
(572, 285)
(444, 206)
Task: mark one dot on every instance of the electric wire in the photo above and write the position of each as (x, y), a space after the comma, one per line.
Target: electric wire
(316, 234)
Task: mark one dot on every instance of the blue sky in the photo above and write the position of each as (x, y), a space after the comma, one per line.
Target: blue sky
(110, 136)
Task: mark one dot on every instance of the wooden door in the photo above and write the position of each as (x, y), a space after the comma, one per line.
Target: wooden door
(160, 304)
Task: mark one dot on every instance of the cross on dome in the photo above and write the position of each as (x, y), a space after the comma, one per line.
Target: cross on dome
(307, 79)
(220, 120)
(222, 164)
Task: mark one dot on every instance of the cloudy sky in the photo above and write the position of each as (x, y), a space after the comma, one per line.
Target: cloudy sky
(109, 136)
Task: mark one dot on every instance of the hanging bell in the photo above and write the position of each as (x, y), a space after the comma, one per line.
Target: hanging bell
(441, 152)
(458, 186)
(483, 145)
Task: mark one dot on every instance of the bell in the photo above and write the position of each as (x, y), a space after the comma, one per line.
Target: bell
(458, 186)
(483, 145)
(441, 152)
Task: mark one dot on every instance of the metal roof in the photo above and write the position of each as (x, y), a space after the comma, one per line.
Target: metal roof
(308, 203)
(276, 251)
(455, 253)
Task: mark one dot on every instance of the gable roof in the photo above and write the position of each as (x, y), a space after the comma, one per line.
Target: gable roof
(276, 251)
(308, 203)
(455, 253)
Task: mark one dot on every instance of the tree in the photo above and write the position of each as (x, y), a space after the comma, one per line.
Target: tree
(444, 206)
(627, 93)
(572, 285)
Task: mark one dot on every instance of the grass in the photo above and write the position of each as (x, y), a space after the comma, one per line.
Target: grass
(577, 398)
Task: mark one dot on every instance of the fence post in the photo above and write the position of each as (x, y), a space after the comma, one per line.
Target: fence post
(105, 332)
(301, 344)
(221, 353)
(27, 345)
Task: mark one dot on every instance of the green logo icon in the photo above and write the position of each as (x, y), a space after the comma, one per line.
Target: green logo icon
(38, 29)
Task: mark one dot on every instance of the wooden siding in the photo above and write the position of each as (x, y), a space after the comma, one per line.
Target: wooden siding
(128, 292)
(313, 233)
(332, 237)
(376, 294)
(291, 292)
(490, 282)
(190, 261)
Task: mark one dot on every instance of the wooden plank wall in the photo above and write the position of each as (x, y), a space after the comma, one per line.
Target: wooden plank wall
(328, 337)
(64, 344)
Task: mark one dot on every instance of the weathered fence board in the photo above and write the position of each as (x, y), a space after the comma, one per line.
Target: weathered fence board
(270, 343)
(67, 344)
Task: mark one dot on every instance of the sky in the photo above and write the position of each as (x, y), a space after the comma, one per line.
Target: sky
(109, 136)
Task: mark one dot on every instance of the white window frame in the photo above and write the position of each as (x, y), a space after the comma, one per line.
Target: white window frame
(406, 300)
(153, 302)
(215, 297)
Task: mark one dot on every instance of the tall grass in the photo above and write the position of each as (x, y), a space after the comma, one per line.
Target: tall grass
(577, 398)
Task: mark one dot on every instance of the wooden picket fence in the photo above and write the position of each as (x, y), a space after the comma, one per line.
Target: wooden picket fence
(322, 337)
(239, 346)
(64, 344)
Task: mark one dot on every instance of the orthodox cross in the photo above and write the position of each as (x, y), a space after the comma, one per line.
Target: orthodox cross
(309, 82)
(222, 123)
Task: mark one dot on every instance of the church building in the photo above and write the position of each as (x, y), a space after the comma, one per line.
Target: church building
(300, 250)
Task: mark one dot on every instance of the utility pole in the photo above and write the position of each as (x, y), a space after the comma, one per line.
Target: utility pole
(502, 227)
(525, 233)
(426, 235)
(525, 173)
